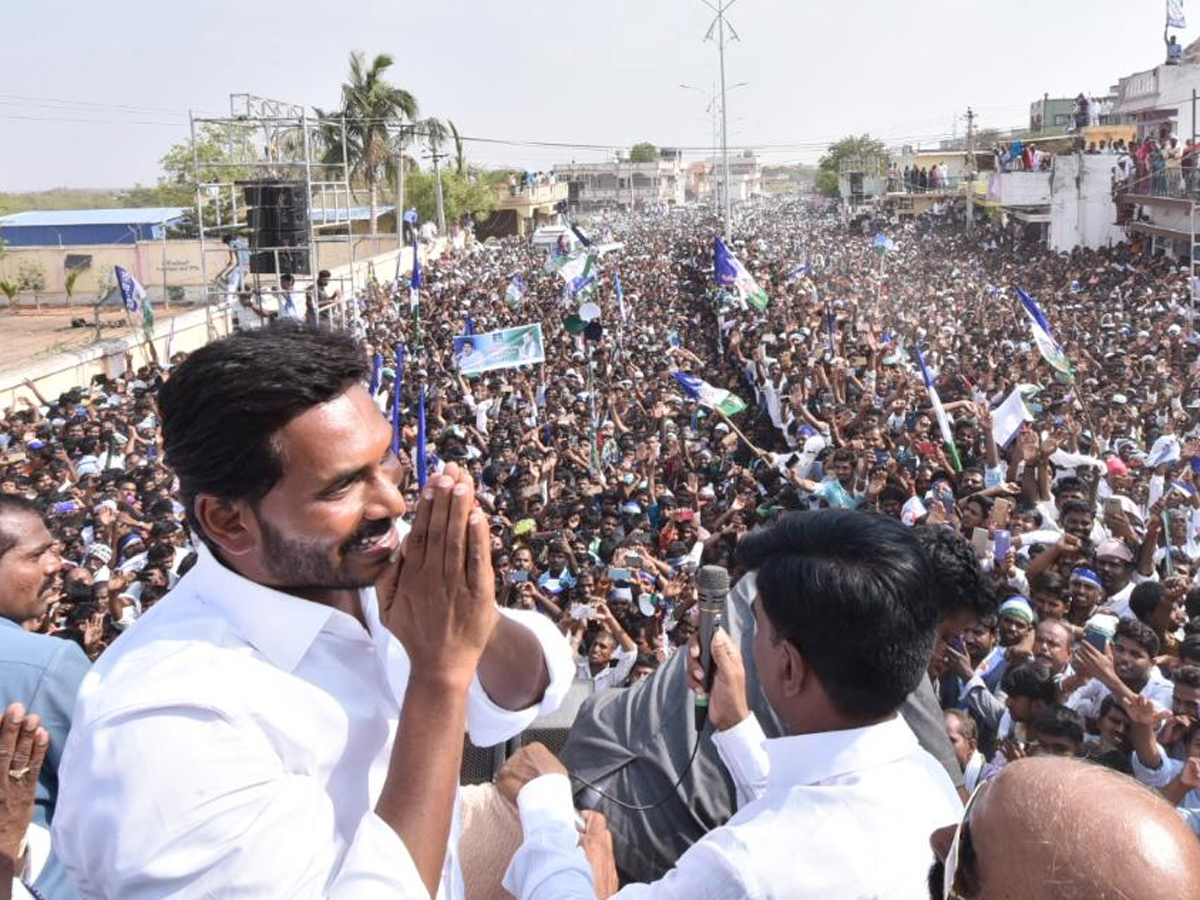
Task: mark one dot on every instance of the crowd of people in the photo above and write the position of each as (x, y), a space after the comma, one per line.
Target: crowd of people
(606, 485)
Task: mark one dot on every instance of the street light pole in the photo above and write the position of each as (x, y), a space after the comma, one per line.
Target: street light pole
(721, 24)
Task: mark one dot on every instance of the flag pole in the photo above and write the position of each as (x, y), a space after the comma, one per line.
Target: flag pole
(758, 451)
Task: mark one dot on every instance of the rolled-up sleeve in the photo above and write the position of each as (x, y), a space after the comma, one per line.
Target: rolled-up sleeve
(219, 816)
(489, 724)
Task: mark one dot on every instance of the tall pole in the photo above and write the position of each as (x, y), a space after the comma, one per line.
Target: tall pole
(441, 208)
(724, 122)
(970, 169)
(400, 192)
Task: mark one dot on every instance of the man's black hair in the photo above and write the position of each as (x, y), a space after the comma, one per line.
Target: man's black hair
(1050, 582)
(850, 591)
(1076, 506)
(1187, 675)
(1058, 721)
(983, 501)
(224, 405)
(13, 509)
(960, 585)
(1140, 633)
(1145, 599)
(1068, 483)
(1029, 679)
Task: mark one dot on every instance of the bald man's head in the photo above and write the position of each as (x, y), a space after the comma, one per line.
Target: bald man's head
(1049, 828)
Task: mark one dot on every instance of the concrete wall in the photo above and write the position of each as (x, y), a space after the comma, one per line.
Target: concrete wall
(145, 260)
(193, 329)
(1082, 212)
(1019, 188)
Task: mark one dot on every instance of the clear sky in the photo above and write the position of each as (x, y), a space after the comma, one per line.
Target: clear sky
(93, 91)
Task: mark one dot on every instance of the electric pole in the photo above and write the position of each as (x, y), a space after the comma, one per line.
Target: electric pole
(437, 174)
(970, 169)
(721, 24)
(400, 190)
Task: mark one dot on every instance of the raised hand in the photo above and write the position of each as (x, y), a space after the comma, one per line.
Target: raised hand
(439, 600)
(23, 744)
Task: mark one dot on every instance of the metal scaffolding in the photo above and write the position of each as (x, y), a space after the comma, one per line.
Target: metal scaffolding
(272, 142)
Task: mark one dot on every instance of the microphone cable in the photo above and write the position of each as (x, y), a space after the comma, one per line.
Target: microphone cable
(644, 807)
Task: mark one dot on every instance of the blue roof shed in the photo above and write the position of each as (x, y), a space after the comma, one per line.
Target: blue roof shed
(74, 227)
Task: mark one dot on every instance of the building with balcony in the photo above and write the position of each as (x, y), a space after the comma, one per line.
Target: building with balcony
(522, 209)
(621, 183)
(1159, 103)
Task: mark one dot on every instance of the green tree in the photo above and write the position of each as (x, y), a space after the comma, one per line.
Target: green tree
(372, 109)
(863, 147)
(643, 152)
(470, 193)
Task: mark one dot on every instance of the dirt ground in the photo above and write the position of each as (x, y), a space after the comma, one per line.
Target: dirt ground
(30, 336)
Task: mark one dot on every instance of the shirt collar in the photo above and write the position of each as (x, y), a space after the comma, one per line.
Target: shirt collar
(813, 758)
(280, 626)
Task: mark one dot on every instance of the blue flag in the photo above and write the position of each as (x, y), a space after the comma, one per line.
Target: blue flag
(620, 296)
(396, 400)
(830, 321)
(376, 372)
(132, 293)
(414, 284)
(422, 465)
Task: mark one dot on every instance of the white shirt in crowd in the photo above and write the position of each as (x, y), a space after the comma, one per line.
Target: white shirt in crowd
(610, 676)
(816, 806)
(235, 741)
(1086, 701)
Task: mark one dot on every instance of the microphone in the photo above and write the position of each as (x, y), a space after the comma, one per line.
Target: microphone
(712, 585)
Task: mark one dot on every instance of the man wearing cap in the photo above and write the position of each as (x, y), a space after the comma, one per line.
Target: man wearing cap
(982, 695)
(1114, 565)
(1086, 591)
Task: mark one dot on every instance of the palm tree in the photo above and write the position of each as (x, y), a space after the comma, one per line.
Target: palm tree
(372, 109)
(460, 158)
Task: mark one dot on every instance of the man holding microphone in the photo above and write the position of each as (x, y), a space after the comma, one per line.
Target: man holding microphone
(844, 805)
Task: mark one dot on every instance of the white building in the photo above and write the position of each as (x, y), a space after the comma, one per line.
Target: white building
(1159, 103)
(623, 183)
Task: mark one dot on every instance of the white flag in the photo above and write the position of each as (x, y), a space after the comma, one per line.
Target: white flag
(1175, 17)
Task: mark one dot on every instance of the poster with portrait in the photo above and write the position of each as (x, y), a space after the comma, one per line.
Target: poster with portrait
(506, 348)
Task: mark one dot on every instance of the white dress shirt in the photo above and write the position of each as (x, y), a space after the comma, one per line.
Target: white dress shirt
(235, 740)
(843, 814)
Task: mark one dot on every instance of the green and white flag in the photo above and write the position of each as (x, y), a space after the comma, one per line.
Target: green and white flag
(707, 395)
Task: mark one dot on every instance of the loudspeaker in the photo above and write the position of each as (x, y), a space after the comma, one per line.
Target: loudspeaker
(277, 213)
(480, 764)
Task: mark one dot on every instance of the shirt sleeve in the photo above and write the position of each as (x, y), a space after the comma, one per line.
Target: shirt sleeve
(549, 864)
(219, 816)
(488, 723)
(1160, 777)
(743, 750)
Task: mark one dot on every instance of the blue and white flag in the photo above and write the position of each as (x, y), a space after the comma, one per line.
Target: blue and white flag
(397, 384)
(516, 290)
(729, 272)
(1050, 349)
(940, 413)
(620, 296)
(422, 461)
(707, 395)
(884, 244)
(132, 293)
(376, 374)
(414, 284)
(1175, 17)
